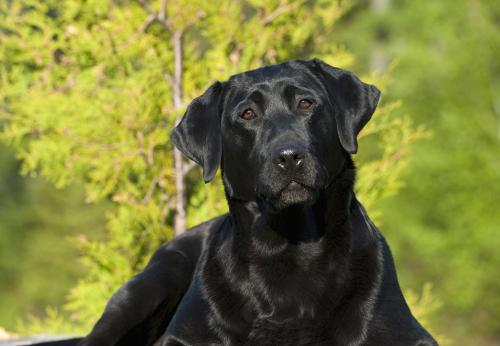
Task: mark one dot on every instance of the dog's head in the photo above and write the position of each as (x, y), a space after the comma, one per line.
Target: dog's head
(281, 133)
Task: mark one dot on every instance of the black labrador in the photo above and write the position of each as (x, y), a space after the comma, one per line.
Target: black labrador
(296, 261)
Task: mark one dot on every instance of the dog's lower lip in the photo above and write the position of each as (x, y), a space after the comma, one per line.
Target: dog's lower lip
(292, 185)
(296, 184)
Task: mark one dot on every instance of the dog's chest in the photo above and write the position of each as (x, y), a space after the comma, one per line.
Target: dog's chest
(298, 310)
(206, 328)
(300, 332)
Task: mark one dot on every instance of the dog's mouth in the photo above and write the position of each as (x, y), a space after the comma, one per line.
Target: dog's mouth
(294, 185)
(294, 193)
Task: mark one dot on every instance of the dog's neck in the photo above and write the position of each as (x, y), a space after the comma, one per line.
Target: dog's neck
(319, 242)
(258, 227)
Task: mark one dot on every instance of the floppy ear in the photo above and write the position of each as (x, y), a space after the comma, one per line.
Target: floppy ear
(354, 100)
(198, 133)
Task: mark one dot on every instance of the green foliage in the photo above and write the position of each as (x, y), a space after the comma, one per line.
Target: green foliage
(36, 224)
(425, 307)
(85, 94)
(53, 323)
(388, 140)
(444, 226)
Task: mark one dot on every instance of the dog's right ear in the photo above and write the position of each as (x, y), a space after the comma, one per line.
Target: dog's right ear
(198, 133)
(356, 101)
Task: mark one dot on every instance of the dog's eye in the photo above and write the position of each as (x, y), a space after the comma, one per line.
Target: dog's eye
(304, 104)
(248, 114)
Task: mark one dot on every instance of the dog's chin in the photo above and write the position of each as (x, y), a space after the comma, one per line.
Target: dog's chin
(294, 194)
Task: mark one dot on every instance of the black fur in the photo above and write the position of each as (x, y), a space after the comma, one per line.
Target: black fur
(296, 261)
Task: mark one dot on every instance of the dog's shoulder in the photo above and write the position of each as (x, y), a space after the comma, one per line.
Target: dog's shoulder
(193, 242)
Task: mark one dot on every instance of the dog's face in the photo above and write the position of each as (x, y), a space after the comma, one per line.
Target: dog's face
(281, 133)
(279, 138)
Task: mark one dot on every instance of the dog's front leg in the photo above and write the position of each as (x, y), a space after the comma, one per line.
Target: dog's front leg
(138, 312)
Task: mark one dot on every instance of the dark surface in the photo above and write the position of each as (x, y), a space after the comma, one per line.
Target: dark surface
(41, 341)
(296, 261)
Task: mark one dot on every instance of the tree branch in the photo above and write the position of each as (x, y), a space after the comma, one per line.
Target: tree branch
(153, 16)
(178, 67)
(281, 10)
(180, 184)
(175, 81)
(151, 189)
(163, 10)
(188, 167)
(147, 153)
(149, 20)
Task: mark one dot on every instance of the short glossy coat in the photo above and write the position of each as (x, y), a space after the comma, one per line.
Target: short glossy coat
(296, 261)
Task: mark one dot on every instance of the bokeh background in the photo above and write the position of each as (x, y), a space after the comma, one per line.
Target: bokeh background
(90, 185)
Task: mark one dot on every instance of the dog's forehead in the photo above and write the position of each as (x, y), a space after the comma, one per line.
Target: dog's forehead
(271, 78)
(271, 74)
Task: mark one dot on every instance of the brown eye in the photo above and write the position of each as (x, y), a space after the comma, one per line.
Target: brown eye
(304, 104)
(248, 114)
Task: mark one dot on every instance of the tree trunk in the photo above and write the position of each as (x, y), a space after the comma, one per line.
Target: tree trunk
(378, 59)
(180, 202)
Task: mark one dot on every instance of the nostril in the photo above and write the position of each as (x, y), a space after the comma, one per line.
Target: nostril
(289, 158)
(282, 160)
(297, 158)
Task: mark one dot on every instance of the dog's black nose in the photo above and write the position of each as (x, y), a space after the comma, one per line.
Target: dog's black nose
(289, 158)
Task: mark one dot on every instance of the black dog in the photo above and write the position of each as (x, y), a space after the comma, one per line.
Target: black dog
(297, 260)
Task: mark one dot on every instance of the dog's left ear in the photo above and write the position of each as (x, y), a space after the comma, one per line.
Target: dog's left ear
(198, 133)
(355, 101)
